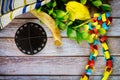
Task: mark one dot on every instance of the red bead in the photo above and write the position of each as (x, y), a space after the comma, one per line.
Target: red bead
(109, 63)
(110, 18)
(107, 21)
(109, 69)
(100, 22)
(91, 47)
(95, 19)
(95, 47)
(83, 74)
(103, 38)
(91, 63)
(95, 31)
(91, 31)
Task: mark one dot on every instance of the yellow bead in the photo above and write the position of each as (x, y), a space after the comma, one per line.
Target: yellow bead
(107, 54)
(96, 15)
(105, 46)
(95, 52)
(104, 17)
(108, 22)
(84, 78)
(95, 23)
(86, 67)
(93, 35)
(96, 36)
(93, 69)
(86, 28)
(107, 71)
(106, 74)
(98, 27)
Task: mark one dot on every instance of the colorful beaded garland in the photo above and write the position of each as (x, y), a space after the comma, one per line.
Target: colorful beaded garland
(98, 28)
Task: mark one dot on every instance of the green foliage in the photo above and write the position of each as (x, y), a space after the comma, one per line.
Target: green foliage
(106, 7)
(101, 4)
(60, 14)
(71, 33)
(83, 1)
(76, 30)
(79, 37)
(61, 25)
(97, 3)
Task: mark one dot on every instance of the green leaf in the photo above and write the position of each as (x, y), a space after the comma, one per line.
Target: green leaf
(50, 11)
(79, 37)
(54, 3)
(85, 35)
(71, 33)
(38, 10)
(106, 7)
(60, 13)
(97, 3)
(51, 4)
(83, 1)
(62, 26)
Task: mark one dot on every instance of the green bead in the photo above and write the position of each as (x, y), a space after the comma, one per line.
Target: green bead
(102, 31)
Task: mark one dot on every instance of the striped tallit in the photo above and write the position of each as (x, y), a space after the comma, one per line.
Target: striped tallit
(9, 9)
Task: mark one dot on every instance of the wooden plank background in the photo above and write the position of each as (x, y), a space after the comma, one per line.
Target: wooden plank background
(55, 63)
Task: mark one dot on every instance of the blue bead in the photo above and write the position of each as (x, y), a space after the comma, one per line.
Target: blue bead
(100, 17)
(105, 26)
(90, 26)
(107, 14)
(91, 56)
(89, 72)
(96, 42)
(111, 57)
(95, 58)
(102, 50)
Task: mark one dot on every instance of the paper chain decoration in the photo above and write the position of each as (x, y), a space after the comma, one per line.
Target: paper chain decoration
(100, 22)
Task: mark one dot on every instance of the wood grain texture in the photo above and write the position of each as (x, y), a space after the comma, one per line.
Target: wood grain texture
(115, 8)
(11, 29)
(69, 48)
(53, 77)
(52, 65)
(55, 63)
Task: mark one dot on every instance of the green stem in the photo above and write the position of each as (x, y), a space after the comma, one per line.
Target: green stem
(83, 24)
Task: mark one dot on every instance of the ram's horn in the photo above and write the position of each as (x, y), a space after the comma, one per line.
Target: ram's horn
(50, 23)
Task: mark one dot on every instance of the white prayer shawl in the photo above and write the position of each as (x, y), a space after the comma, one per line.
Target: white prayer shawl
(9, 10)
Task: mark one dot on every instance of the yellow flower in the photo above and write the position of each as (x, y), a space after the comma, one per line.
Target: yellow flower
(77, 11)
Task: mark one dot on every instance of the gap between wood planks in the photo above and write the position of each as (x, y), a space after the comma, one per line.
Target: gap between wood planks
(53, 77)
(57, 66)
